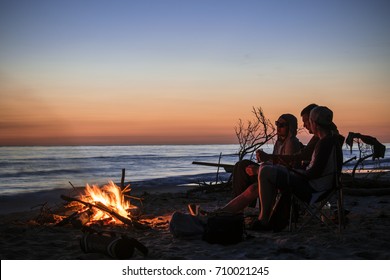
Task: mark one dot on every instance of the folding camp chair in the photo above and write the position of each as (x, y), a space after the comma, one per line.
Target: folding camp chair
(319, 208)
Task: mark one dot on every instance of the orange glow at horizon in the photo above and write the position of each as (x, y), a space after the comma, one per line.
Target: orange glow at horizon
(73, 116)
(176, 120)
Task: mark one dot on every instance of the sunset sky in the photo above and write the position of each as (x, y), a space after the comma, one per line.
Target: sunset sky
(185, 71)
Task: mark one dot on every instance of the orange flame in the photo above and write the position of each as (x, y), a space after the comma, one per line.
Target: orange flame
(111, 196)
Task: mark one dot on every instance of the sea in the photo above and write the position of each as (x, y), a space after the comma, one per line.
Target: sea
(26, 169)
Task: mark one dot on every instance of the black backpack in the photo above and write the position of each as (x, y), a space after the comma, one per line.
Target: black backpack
(224, 229)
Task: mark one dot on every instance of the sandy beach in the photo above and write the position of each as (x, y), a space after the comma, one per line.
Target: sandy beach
(27, 233)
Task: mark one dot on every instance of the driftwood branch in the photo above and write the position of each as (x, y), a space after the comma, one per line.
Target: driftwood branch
(367, 192)
(67, 219)
(208, 188)
(228, 167)
(123, 179)
(255, 133)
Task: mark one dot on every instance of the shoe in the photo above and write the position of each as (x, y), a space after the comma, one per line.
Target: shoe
(260, 226)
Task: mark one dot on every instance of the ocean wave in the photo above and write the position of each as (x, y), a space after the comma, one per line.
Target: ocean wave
(57, 172)
(49, 167)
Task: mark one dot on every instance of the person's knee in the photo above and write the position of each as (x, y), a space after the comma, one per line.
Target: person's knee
(266, 170)
(268, 173)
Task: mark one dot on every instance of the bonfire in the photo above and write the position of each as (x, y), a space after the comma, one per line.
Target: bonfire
(108, 204)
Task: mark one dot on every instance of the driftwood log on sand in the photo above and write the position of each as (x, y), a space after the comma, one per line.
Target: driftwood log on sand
(376, 186)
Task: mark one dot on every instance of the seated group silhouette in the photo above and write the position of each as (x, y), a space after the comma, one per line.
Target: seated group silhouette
(306, 172)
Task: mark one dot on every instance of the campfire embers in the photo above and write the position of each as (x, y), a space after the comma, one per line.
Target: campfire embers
(104, 205)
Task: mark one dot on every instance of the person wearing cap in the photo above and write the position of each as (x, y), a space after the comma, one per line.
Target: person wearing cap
(313, 181)
(287, 143)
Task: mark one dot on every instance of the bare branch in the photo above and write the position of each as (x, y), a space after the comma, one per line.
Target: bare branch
(254, 134)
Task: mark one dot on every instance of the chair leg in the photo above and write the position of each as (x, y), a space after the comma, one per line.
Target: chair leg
(340, 210)
(316, 212)
(342, 206)
(291, 213)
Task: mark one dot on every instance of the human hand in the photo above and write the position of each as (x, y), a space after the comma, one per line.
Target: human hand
(261, 156)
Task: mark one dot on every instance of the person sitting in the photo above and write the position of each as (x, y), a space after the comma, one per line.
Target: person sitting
(304, 155)
(314, 180)
(245, 171)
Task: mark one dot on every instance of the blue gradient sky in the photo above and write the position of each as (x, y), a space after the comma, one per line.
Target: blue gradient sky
(185, 71)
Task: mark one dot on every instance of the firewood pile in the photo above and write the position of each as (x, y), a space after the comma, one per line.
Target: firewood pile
(108, 205)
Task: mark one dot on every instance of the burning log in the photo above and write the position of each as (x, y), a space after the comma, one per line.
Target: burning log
(106, 204)
(77, 219)
(45, 215)
(101, 207)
